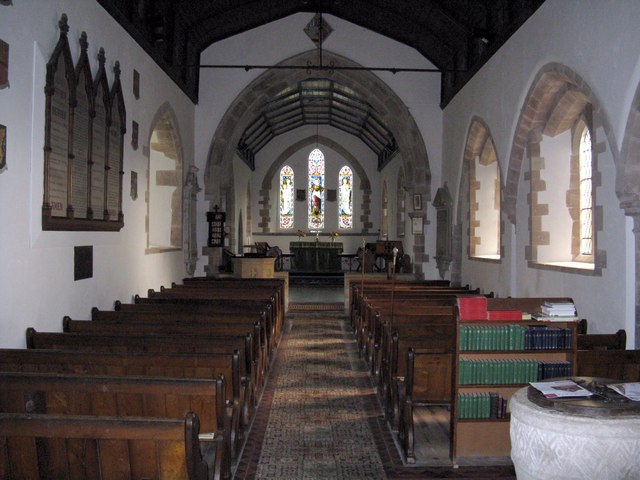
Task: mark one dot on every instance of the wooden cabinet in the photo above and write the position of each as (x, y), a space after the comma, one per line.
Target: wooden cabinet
(493, 360)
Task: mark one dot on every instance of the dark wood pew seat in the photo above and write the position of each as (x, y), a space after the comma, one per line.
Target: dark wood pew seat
(39, 446)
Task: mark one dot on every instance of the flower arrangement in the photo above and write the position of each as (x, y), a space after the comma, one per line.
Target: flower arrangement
(333, 236)
(301, 233)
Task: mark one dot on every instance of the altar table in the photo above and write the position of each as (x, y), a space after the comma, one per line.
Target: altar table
(316, 256)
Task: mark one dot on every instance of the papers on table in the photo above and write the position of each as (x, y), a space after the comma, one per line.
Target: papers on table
(561, 389)
(629, 390)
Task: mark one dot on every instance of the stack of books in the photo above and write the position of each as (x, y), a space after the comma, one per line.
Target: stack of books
(504, 315)
(557, 311)
(472, 307)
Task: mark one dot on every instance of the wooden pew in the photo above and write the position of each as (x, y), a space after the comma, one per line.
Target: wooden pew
(432, 310)
(241, 293)
(603, 341)
(434, 377)
(170, 365)
(623, 365)
(110, 396)
(428, 381)
(101, 448)
(126, 343)
(207, 306)
(418, 301)
(225, 312)
(121, 323)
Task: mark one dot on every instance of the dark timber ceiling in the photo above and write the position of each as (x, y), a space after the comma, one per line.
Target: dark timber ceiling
(457, 36)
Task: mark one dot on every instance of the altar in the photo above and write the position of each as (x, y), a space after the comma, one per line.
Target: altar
(316, 256)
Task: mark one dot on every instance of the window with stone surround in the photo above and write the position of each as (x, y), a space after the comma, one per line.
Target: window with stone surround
(562, 193)
(165, 189)
(484, 204)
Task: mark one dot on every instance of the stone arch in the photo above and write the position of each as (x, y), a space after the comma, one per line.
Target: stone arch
(553, 83)
(478, 139)
(218, 174)
(168, 142)
(628, 172)
(628, 190)
(267, 181)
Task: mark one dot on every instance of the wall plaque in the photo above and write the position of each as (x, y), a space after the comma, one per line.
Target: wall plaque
(84, 137)
(4, 64)
(82, 262)
(3, 146)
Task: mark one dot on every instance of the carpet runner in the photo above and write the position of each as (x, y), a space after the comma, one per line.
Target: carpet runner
(317, 425)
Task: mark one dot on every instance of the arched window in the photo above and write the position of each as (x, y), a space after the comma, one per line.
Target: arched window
(165, 188)
(345, 198)
(316, 190)
(562, 196)
(286, 197)
(586, 197)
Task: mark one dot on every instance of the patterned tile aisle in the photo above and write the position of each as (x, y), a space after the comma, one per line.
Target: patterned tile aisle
(317, 427)
(319, 417)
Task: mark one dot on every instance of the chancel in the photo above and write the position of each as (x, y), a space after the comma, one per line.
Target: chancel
(327, 238)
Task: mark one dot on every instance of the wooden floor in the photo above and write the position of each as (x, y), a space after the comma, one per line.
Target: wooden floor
(432, 427)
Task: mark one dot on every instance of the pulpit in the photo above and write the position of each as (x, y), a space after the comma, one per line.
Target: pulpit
(316, 256)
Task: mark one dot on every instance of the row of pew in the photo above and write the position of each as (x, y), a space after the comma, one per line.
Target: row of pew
(165, 387)
(406, 332)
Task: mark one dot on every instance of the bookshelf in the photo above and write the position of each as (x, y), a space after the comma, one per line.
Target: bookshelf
(493, 360)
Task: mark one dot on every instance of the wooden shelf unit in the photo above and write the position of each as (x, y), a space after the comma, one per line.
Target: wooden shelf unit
(487, 437)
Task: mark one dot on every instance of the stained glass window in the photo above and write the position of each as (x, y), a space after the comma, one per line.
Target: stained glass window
(345, 198)
(286, 197)
(586, 198)
(316, 190)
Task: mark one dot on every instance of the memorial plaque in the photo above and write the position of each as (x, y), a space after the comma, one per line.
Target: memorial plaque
(82, 262)
(98, 156)
(113, 172)
(3, 146)
(59, 142)
(80, 144)
(79, 174)
(4, 64)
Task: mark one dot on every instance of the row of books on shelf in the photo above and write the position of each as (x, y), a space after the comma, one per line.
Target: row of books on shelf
(509, 371)
(514, 337)
(482, 405)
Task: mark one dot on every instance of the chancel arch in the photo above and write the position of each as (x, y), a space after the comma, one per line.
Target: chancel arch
(628, 190)
(219, 174)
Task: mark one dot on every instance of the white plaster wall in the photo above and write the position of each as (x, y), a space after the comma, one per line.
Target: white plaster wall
(277, 41)
(37, 267)
(596, 39)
